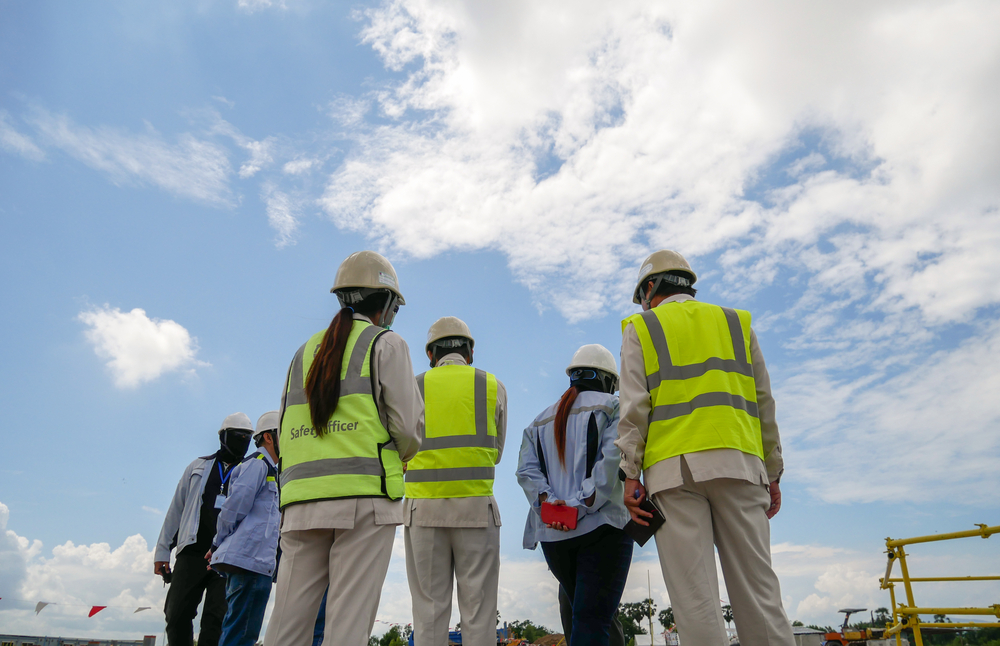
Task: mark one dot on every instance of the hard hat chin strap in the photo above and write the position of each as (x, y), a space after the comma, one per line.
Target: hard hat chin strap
(648, 296)
(389, 310)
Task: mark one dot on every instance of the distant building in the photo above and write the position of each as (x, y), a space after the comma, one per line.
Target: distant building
(28, 640)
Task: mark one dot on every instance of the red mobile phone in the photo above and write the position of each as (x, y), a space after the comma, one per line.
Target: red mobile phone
(559, 514)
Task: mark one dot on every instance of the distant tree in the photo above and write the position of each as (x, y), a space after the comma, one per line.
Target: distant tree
(822, 629)
(635, 613)
(525, 629)
(941, 619)
(395, 636)
(797, 623)
(666, 618)
(727, 614)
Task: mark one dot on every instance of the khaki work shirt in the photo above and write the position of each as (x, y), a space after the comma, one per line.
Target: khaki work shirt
(633, 427)
(460, 512)
(401, 410)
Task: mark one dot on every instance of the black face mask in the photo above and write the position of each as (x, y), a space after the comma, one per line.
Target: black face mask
(234, 444)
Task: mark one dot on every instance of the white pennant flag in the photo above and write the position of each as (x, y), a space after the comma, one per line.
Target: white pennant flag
(40, 605)
(141, 609)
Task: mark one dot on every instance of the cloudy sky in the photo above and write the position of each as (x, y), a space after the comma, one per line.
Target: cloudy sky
(179, 181)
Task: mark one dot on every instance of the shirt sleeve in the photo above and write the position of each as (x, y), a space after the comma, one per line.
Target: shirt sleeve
(770, 438)
(248, 478)
(529, 470)
(501, 419)
(633, 426)
(172, 519)
(398, 396)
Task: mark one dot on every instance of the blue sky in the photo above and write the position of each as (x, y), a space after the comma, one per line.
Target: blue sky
(832, 169)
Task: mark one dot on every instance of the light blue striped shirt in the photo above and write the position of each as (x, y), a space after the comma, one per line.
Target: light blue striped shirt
(570, 483)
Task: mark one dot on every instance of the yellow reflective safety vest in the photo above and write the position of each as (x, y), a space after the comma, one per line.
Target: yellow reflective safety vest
(355, 457)
(699, 378)
(458, 449)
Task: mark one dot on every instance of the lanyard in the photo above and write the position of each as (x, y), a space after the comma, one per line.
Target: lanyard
(225, 479)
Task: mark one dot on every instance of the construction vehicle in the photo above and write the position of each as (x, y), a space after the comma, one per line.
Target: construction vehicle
(856, 637)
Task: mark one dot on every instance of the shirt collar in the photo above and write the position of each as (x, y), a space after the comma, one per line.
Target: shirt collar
(452, 359)
(677, 298)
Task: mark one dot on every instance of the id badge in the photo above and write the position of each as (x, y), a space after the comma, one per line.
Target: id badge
(219, 499)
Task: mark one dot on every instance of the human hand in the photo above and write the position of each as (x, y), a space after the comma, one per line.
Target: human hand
(589, 500)
(635, 493)
(558, 526)
(208, 557)
(161, 567)
(775, 500)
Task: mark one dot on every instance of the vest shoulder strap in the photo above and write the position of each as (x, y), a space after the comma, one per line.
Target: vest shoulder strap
(593, 440)
(541, 454)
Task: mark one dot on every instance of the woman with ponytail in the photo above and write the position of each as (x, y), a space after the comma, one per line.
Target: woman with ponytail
(351, 416)
(568, 466)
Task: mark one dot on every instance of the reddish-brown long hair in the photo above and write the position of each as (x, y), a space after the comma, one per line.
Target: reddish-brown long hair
(323, 382)
(562, 412)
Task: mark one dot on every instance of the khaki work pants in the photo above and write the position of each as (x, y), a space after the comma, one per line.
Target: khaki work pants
(353, 562)
(435, 556)
(728, 514)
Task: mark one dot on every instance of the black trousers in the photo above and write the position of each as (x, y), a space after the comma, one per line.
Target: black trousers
(591, 570)
(191, 579)
(566, 616)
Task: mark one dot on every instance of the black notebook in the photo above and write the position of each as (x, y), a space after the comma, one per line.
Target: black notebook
(641, 533)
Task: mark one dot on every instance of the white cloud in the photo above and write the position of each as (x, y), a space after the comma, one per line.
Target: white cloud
(574, 140)
(193, 168)
(902, 434)
(138, 349)
(281, 214)
(16, 142)
(75, 577)
(260, 156)
(844, 154)
(251, 6)
(299, 166)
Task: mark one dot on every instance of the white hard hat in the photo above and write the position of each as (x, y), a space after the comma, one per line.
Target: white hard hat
(595, 356)
(367, 269)
(269, 421)
(237, 421)
(449, 326)
(659, 262)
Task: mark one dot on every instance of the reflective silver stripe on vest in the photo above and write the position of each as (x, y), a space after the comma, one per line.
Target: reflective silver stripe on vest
(669, 372)
(420, 384)
(450, 475)
(352, 384)
(296, 394)
(331, 467)
(576, 411)
(482, 438)
(672, 411)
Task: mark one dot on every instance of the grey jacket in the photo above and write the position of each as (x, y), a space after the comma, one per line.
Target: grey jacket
(180, 527)
(247, 532)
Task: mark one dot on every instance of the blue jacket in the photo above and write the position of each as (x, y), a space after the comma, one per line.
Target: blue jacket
(572, 483)
(247, 533)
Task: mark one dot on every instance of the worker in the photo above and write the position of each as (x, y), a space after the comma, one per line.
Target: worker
(568, 460)
(189, 526)
(451, 519)
(351, 415)
(246, 539)
(697, 423)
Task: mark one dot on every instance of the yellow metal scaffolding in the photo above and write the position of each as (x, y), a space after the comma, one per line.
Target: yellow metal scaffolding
(908, 615)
